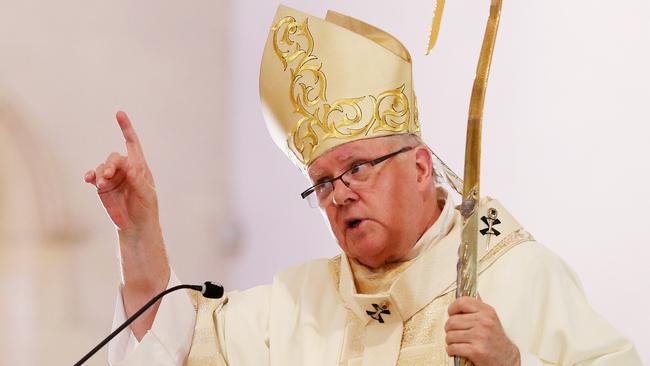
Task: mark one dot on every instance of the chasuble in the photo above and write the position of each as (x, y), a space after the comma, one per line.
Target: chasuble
(338, 312)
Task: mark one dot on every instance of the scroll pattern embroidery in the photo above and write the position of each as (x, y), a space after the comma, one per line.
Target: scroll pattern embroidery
(320, 120)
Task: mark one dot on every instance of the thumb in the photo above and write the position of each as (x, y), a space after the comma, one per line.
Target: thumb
(142, 186)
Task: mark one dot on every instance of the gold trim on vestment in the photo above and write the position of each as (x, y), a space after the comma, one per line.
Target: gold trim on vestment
(423, 335)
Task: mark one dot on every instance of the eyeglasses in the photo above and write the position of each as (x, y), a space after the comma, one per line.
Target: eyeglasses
(319, 194)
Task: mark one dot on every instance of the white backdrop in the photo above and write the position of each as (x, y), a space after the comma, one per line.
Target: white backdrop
(564, 135)
(564, 144)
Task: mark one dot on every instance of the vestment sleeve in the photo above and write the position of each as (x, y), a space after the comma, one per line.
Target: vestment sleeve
(550, 317)
(192, 330)
(166, 343)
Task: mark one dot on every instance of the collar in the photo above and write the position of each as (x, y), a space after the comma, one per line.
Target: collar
(432, 272)
(375, 280)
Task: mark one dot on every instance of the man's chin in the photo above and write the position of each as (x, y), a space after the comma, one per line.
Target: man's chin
(369, 253)
(371, 262)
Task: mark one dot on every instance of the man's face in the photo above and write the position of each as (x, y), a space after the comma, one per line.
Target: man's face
(381, 221)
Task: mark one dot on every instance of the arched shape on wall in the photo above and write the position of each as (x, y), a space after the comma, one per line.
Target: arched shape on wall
(32, 201)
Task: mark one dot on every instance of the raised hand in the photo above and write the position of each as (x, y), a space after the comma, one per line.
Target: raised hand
(126, 189)
(125, 184)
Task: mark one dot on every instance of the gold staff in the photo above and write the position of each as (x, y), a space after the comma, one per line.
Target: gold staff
(467, 253)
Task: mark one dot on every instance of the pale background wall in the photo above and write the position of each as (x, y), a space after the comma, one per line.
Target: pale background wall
(564, 144)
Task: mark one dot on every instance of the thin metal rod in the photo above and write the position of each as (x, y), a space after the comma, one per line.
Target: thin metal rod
(132, 318)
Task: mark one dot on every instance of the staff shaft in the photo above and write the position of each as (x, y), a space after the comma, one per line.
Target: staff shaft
(467, 259)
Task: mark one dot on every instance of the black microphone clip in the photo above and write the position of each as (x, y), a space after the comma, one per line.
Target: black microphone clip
(212, 290)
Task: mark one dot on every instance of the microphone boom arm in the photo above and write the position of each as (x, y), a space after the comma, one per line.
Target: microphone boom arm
(208, 289)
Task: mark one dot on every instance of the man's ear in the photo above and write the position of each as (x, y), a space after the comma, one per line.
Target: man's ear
(424, 165)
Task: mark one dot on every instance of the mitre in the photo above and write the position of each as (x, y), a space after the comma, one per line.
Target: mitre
(327, 82)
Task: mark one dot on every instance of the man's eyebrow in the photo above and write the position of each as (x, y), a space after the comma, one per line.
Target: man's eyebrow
(317, 176)
(343, 162)
(349, 158)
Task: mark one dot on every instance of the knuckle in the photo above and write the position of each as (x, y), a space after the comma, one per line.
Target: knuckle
(486, 322)
(451, 309)
(134, 172)
(114, 159)
(471, 352)
(483, 351)
(490, 310)
(450, 350)
(479, 351)
(482, 337)
(449, 324)
(456, 306)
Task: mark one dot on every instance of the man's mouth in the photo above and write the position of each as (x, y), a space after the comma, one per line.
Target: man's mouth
(353, 223)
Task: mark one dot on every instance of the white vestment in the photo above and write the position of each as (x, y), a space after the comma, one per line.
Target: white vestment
(315, 314)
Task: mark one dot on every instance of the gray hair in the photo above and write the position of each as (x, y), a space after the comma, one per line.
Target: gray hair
(443, 174)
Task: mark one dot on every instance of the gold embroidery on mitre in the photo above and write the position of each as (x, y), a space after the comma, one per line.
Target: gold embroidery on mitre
(416, 116)
(346, 118)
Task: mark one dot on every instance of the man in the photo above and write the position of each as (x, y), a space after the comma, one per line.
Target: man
(338, 98)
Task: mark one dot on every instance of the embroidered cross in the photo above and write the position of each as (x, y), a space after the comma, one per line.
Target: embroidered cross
(491, 220)
(383, 309)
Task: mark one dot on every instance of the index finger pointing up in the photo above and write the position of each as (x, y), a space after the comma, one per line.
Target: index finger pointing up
(133, 148)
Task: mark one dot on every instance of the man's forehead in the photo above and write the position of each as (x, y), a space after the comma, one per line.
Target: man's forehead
(343, 154)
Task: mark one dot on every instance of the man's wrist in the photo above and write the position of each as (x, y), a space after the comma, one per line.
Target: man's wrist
(516, 355)
(145, 267)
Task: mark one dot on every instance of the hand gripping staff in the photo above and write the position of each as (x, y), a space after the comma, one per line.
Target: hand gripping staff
(467, 252)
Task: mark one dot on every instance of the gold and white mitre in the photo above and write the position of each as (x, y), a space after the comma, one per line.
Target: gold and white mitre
(326, 82)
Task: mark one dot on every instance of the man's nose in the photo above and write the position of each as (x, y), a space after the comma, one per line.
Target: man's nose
(342, 194)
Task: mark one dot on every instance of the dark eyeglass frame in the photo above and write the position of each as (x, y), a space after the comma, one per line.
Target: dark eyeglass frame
(373, 162)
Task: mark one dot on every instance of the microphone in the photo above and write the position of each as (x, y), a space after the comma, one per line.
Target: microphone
(210, 290)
